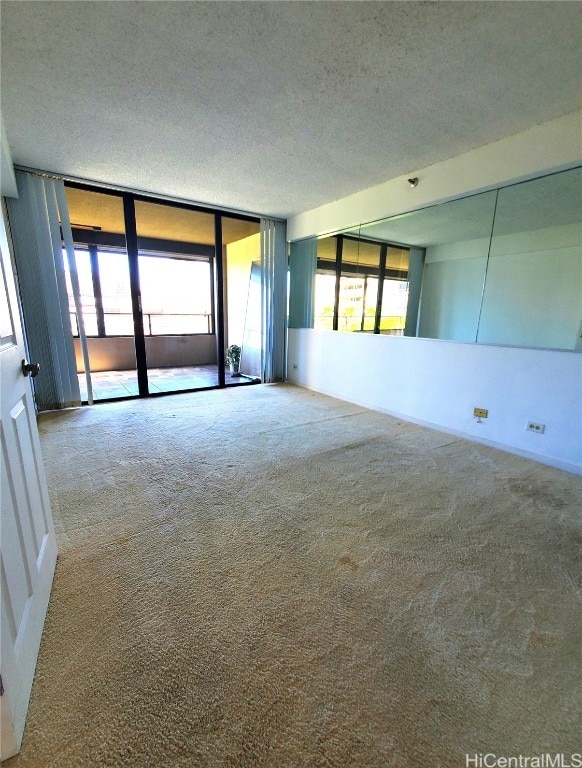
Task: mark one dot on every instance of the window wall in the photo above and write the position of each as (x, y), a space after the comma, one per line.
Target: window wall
(155, 282)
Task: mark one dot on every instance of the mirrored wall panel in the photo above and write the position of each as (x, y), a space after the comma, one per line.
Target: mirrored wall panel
(325, 283)
(533, 291)
(500, 267)
(450, 244)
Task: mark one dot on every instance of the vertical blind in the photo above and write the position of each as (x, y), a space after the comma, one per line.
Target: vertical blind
(38, 253)
(273, 298)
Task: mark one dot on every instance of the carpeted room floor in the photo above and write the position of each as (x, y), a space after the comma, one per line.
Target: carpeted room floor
(266, 576)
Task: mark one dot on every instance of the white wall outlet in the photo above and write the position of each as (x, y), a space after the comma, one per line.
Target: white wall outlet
(294, 366)
(534, 426)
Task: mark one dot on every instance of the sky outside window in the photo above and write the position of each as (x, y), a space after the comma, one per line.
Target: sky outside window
(175, 295)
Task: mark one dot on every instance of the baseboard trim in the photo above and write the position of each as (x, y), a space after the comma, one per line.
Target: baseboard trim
(564, 466)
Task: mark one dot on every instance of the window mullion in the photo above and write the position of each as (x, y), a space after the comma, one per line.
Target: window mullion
(381, 276)
(338, 273)
(97, 290)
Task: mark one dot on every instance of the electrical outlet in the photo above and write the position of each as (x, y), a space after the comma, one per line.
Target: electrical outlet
(294, 366)
(533, 426)
(480, 413)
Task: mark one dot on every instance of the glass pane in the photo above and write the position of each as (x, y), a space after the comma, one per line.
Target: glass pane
(116, 293)
(7, 335)
(167, 224)
(94, 212)
(83, 262)
(352, 299)
(242, 248)
(324, 289)
(175, 295)
(534, 279)
(395, 292)
(176, 273)
(324, 301)
(397, 260)
(394, 303)
(350, 305)
(358, 294)
(369, 303)
(98, 226)
(350, 256)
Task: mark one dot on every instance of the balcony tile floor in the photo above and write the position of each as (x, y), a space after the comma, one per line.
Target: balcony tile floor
(111, 384)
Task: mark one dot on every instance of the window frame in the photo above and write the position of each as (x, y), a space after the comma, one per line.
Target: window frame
(94, 249)
(381, 273)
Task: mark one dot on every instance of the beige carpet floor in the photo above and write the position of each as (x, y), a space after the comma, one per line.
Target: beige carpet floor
(270, 577)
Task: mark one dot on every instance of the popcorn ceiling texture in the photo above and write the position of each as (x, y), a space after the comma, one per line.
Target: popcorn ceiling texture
(277, 107)
(269, 577)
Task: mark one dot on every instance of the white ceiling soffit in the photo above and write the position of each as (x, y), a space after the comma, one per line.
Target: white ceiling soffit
(276, 107)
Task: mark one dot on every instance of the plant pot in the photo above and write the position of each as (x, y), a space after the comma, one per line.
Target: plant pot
(234, 370)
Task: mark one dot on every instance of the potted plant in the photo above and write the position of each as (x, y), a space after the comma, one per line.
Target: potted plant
(232, 359)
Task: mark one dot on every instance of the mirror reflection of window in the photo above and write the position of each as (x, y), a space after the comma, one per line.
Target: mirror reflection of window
(358, 289)
(324, 289)
(371, 295)
(395, 292)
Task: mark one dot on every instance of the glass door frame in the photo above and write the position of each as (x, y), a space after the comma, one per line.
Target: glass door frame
(132, 249)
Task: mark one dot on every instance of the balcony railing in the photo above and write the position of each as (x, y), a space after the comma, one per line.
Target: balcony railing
(155, 323)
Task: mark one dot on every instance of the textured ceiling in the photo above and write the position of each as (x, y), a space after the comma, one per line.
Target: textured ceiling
(276, 107)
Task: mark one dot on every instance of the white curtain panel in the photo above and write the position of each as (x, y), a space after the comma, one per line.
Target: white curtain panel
(273, 298)
(38, 253)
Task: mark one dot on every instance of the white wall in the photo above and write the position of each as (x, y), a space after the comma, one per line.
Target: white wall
(438, 383)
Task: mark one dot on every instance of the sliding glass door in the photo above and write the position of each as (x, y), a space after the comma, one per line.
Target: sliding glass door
(165, 290)
(176, 252)
(98, 225)
(241, 251)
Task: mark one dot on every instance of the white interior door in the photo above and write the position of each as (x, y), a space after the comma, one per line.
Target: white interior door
(28, 549)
